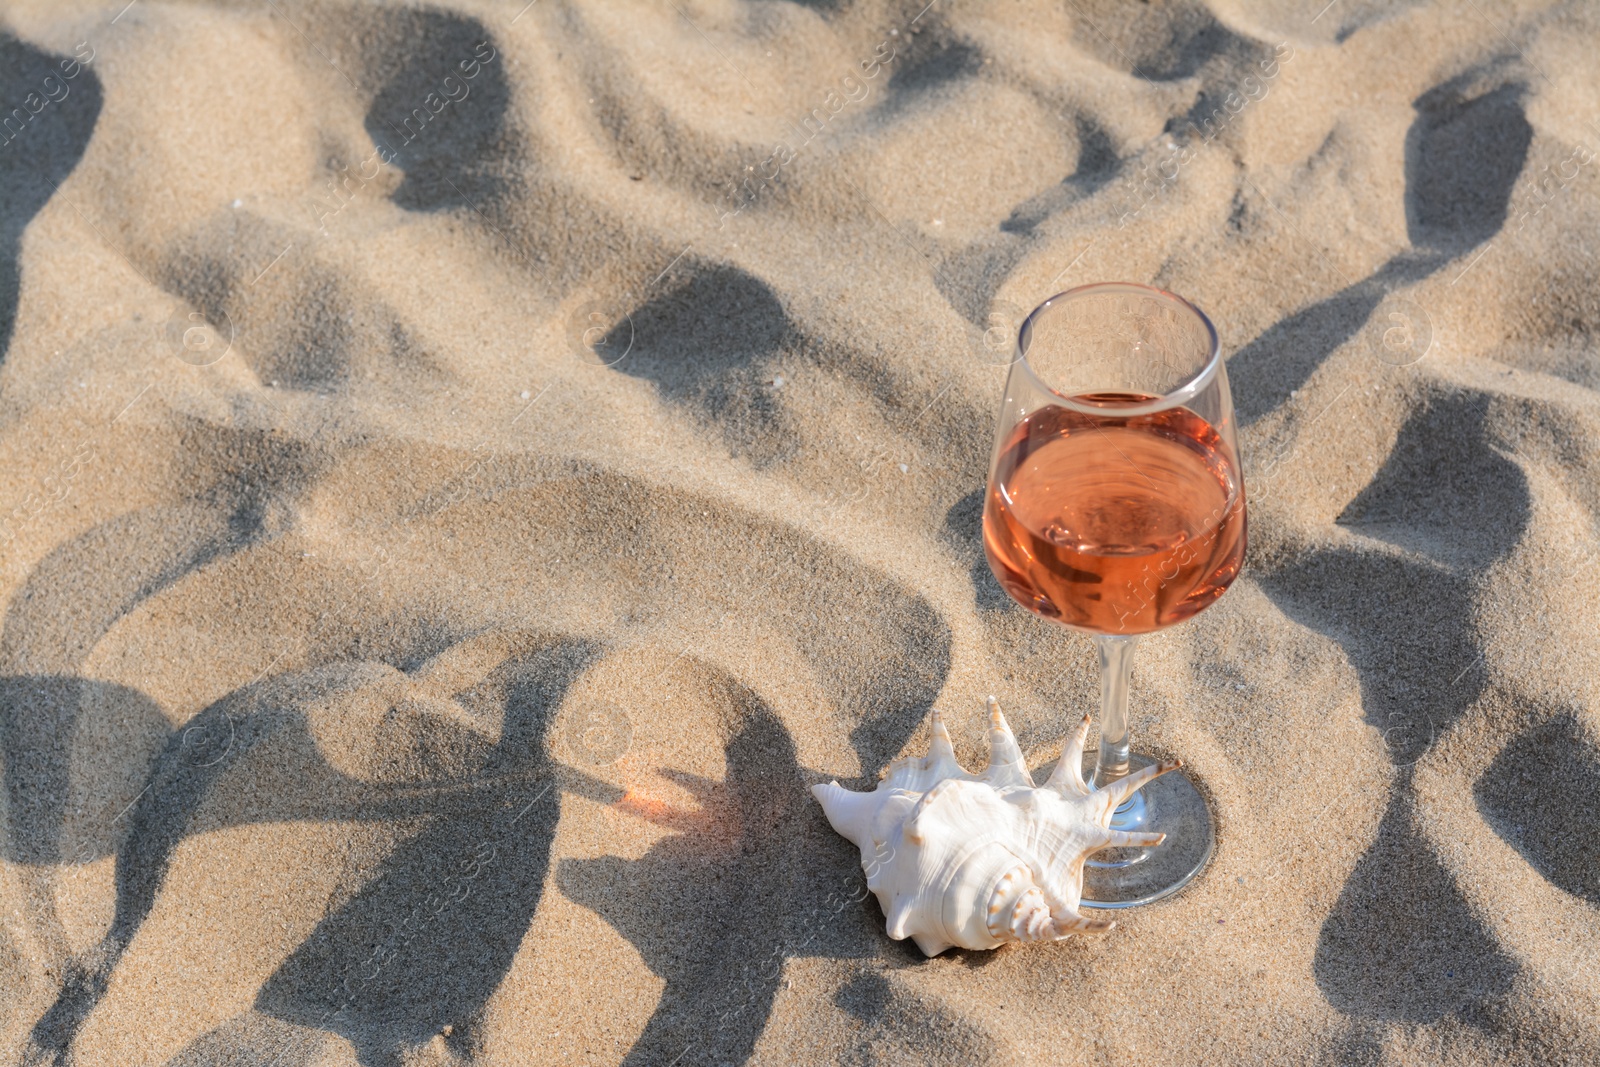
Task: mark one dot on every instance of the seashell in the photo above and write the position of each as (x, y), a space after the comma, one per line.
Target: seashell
(977, 860)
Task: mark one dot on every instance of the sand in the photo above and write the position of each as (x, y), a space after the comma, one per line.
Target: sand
(467, 470)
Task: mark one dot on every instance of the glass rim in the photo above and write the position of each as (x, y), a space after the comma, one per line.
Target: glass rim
(1190, 389)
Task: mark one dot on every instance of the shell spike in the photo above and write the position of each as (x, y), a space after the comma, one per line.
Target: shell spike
(1006, 765)
(900, 916)
(1067, 778)
(1123, 788)
(941, 752)
(850, 813)
(1077, 924)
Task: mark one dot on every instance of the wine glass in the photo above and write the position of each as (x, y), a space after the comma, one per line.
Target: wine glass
(1116, 507)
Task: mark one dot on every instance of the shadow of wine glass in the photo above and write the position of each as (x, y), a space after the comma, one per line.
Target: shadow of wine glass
(717, 909)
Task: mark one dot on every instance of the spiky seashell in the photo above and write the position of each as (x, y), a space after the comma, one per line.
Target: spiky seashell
(977, 860)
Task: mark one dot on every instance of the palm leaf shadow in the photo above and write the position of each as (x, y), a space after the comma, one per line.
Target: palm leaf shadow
(484, 839)
(1464, 152)
(430, 935)
(1401, 944)
(44, 134)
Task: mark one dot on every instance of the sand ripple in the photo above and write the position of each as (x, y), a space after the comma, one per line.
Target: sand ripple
(468, 470)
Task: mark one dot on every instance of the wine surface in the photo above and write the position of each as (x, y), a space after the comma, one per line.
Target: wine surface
(1115, 524)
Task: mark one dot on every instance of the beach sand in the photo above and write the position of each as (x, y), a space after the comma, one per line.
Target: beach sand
(467, 470)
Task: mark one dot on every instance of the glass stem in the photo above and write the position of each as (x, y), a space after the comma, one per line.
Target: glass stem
(1116, 663)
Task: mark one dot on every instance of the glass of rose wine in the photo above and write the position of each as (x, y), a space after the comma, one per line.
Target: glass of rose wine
(1116, 507)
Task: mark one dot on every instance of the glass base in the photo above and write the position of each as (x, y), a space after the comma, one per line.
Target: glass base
(1171, 805)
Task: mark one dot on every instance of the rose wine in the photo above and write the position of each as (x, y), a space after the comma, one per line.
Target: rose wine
(1115, 524)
